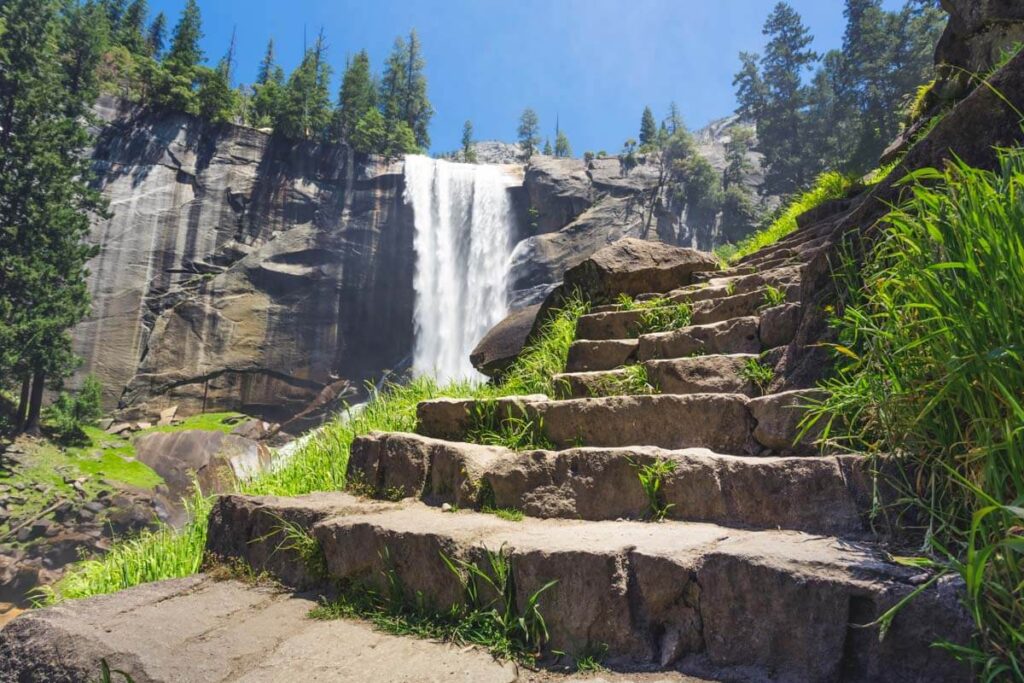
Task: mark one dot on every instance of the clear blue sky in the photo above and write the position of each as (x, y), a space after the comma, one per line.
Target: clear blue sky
(593, 63)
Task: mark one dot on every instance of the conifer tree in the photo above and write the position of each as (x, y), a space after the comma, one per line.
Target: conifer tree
(673, 123)
(736, 150)
(648, 128)
(156, 37)
(305, 111)
(132, 31)
(529, 132)
(404, 89)
(268, 91)
(175, 87)
(45, 197)
(547, 147)
(217, 101)
(562, 147)
(468, 153)
(358, 95)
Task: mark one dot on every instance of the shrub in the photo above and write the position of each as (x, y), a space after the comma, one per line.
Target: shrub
(933, 375)
(68, 414)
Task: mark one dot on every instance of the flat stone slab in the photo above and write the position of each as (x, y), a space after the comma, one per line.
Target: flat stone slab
(595, 355)
(739, 335)
(701, 374)
(777, 605)
(828, 495)
(200, 630)
(720, 422)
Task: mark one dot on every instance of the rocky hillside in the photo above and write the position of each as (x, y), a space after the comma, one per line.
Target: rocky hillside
(241, 272)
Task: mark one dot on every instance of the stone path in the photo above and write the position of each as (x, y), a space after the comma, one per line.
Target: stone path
(764, 568)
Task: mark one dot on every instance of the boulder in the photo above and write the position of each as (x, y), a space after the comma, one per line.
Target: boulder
(502, 344)
(214, 459)
(778, 419)
(634, 266)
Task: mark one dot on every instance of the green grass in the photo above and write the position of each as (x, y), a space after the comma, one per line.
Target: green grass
(758, 374)
(773, 296)
(493, 425)
(209, 422)
(320, 465)
(652, 480)
(488, 615)
(828, 186)
(932, 373)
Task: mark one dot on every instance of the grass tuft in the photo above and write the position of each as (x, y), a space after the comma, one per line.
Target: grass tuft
(758, 374)
(931, 372)
(652, 480)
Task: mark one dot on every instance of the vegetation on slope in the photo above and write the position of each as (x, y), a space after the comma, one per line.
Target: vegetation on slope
(320, 465)
(933, 376)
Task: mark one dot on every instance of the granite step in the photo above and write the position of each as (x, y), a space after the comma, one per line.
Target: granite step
(727, 423)
(764, 604)
(701, 374)
(827, 495)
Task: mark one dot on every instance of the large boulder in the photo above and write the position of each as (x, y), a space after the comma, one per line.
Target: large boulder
(503, 343)
(214, 459)
(978, 33)
(633, 266)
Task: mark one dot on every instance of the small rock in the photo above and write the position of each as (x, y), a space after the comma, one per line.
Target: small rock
(106, 423)
(446, 507)
(24, 534)
(143, 425)
(119, 428)
(93, 506)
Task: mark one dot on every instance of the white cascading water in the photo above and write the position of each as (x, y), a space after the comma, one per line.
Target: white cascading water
(463, 240)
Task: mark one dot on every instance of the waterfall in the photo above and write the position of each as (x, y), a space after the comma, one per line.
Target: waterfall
(463, 240)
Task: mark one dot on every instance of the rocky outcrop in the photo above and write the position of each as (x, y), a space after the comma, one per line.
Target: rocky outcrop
(240, 271)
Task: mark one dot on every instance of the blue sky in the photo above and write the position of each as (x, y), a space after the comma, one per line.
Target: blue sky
(592, 63)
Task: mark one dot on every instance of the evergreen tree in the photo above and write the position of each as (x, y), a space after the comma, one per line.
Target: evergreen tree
(358, 95)
(85, 38)
(750, 89)
(45, 197)
(529, 132)
(268, 91)
(562, 147)
(373, 135)
(468, 153)
(115, 12)
(393, 85)
(157, 36)
(175, 86)
(648, 128)
(547, 148)
(781, 124)
(217, 101)
(673, 123)
(305, 110)
(132, 31)
(738, 164)
(404, 89)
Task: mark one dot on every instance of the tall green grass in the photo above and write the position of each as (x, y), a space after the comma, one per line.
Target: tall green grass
(320, 465)
(933, 376)
(828, 186)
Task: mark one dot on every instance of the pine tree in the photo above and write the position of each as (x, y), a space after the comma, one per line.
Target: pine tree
(673, 123)
(529, 132)
(547, 148)
(132, 31)
(217, 101)
(358, 95)
(737, 163)
(417, 110)
(157, 36)
(750, 88)
(305, 111)
(648, 128)
(46, 198)
(468, 153)
(266, 64)
(175, 86)
(781, 123)
(85, 38)
(562, 147)
(393, 85)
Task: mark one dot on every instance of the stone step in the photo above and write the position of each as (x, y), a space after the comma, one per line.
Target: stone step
(826, 495)
(727, 423)
(615, 323)
(206, 630)
(722, 374)
(781, 278)
(589, 355)
(770, 605)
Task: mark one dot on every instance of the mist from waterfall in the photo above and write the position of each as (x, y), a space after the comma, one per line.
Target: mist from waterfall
(463, 240)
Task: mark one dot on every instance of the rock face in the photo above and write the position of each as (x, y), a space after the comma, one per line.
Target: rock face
(241, 272)
(215, 459)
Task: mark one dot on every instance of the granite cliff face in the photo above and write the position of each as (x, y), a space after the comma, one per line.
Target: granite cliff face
(243, 272)
(239, 271)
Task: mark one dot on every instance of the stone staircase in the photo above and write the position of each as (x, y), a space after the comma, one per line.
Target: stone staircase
(762, 566)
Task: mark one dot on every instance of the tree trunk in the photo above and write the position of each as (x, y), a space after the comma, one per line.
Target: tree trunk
(19, 420)
(35, 403)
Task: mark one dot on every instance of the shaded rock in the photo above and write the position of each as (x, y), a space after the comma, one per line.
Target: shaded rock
(778, 419)
(502, 344)
(559, 190)
(215, 459)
